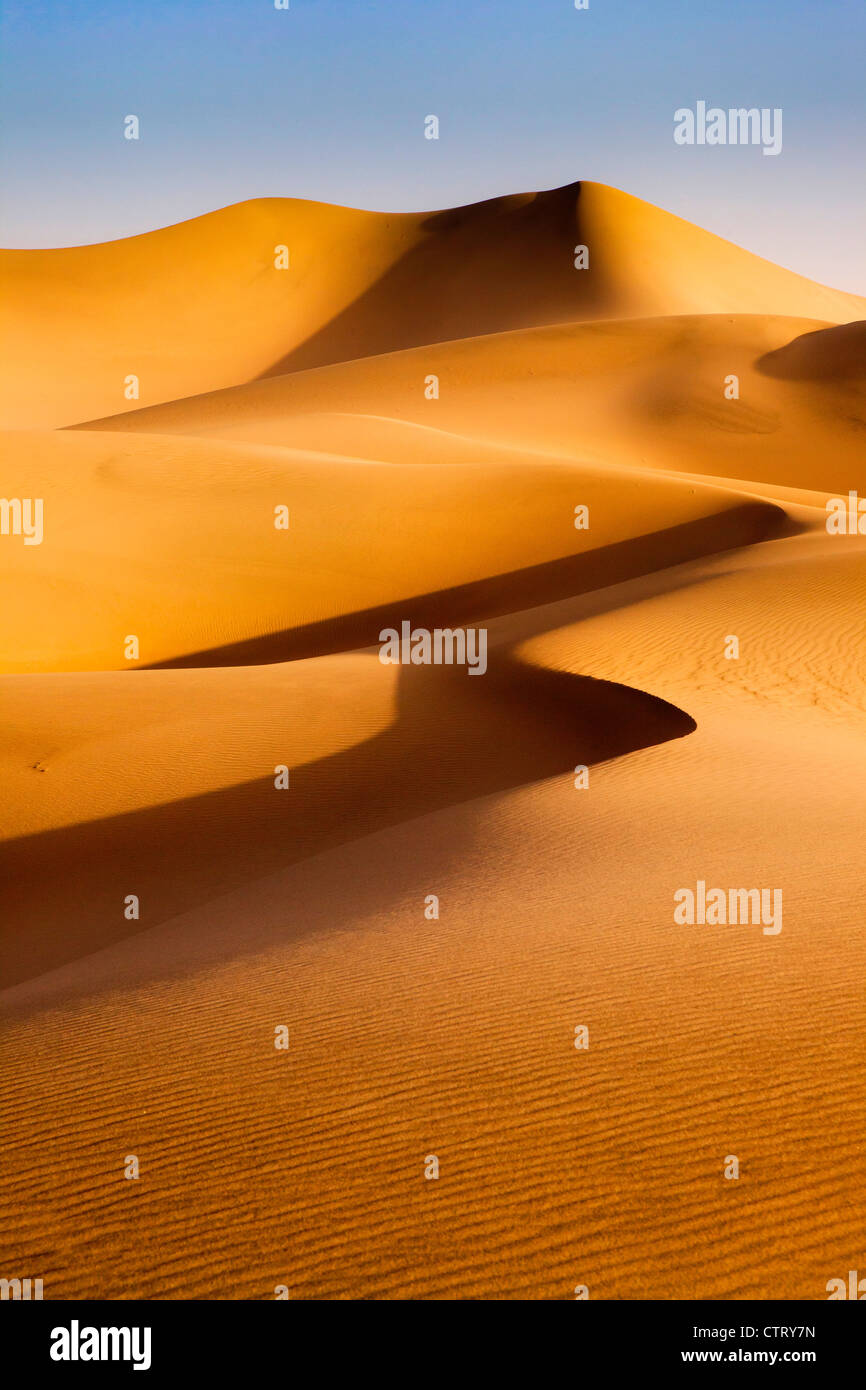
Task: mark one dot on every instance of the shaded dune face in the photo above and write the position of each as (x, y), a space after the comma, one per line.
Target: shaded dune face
(827, 354)
(493, 266)
(357, 284)
(446, 745)
(623, 472)
(491, 598)
(172, 539)
(636, 392)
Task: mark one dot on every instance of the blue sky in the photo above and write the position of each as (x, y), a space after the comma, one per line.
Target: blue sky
(327, 100)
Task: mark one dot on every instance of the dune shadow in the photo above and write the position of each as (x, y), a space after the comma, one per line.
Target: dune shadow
(516, 591)
(488, 267)
(826, 354)
(455, 738)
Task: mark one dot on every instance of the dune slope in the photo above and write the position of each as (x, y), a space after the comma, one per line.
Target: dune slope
(777, 400)
(203, 305)
(454, 1037)
(172, 541)
(434, 880)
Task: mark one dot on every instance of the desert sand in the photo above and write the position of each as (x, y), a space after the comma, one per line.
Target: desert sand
(306, 907)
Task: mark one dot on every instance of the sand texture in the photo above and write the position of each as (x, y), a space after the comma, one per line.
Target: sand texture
(307, 907)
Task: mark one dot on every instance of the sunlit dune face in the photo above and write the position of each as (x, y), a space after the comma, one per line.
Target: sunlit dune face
(403, 618)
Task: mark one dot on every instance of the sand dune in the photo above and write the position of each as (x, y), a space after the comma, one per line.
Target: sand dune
(201, 305)
(455, 1037)
(644, 391)
(307, 906)
(121, 789)
(140, 542)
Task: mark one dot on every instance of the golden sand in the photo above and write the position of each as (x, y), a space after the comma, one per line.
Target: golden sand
(410, 1035)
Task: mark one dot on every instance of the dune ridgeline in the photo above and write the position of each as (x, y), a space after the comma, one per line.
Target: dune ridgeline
(236, 451)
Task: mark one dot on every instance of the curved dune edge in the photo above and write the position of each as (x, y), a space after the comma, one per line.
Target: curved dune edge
(172, 540)
(357, 283)
(455, 1037)
(446, 744)
(642, 392)
(307, 907)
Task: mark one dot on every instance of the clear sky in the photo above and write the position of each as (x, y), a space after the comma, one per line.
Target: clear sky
(327, 100)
